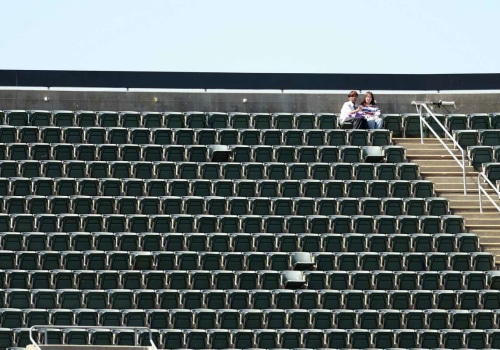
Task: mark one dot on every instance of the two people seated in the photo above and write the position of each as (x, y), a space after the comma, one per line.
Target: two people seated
(366, 115)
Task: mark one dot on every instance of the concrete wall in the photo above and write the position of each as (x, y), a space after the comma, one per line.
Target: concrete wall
(232, 102)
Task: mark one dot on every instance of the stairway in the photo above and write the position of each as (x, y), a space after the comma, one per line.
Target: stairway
(438, 166)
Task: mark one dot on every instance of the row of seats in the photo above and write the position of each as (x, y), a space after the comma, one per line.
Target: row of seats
(97, 289)
(226, 170)
(192, 260)
(408, 125)
(169, 119)
(264, 338)
(185, 223)
(217, 205)
(194, 153)
(68, 186)
(466, 138)
(216, 289)
(238, 242)
(173, 279)
(186, 136)
(274, 319)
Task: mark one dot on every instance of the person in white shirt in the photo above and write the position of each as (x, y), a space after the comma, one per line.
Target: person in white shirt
(350, 114)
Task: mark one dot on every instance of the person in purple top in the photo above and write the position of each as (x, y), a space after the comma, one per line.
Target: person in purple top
(371, 111)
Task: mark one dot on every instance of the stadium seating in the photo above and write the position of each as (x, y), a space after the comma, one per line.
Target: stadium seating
(303, 238)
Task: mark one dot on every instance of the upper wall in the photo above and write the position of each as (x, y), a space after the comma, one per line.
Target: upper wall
(234, 102)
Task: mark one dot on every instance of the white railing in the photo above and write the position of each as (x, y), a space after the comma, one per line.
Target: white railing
(481, 190)
(89, 328)
(423, 105)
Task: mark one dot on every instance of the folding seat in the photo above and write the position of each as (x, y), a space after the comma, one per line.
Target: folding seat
(383, 338)
(490, 299)
(475, 280)
(483, 319)
(433, 123)
(359, 338)
(444, 242)
(249, 137)
(271, 137)
(350, 154)
(377, 299)
(357, 137)
(475, 339)
(348, 206)
(489, 137)
(285, 154)
(482, 261)
(229, 223)
(438, 261)
(457, 122)
(364, 171)
(292, 338)
(227, 136)
(452, 223)
(19, 186)
(183, 136)
(35, 241)
(408, 171)
(16, 298)
(368, 319)
(314, 137)
(305, 120)
(306, 154)
(254, 171)
(133, 153)
(17, 151)
(9, 133)
(217, 120)
(229, 318)
(171, 204)
(478, 121)
(326, 121)
(361, 280)
(274, 318)
(323, 171)
(16, 117)
(453, 338)
(328, 154)
(139, 136)
(283, 121)
(466, 138)
(334, 188)
(231, 171)
(405, 338)
(379, 137)
(193, 205)
(162, 136)
(335, 338)
(336, 137)
(174, 153)
(293, 137)
(408, 224)
(264, 242)
(262, 120)
(23, 222)
(174, 120)
(480, 154)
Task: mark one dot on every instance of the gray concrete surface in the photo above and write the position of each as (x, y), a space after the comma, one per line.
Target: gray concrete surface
(233, 102)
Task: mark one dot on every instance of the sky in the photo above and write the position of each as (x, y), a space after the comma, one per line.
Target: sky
(269, 36)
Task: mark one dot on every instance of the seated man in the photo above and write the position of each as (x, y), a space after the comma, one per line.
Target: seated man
(350, 114)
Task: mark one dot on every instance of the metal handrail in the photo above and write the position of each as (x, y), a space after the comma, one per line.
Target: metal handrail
(89, 328)
(482, 191)
(423, 122)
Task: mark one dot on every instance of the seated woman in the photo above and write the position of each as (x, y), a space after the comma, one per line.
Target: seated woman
(350, 114)
(371, 111)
